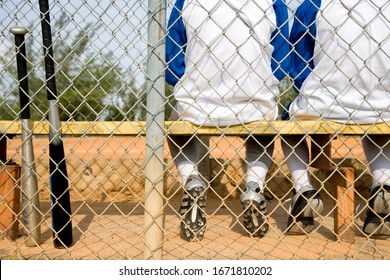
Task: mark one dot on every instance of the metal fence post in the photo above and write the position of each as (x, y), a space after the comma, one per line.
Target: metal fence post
(154, 169)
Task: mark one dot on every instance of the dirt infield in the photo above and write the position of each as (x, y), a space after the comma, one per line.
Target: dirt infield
(103, 231)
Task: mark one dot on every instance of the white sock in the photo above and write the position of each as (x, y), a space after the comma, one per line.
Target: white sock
(184, 151)
(257, 172)
(301, 177)
(186, 169)
(296, 153)
(377, 151)
(258, 155)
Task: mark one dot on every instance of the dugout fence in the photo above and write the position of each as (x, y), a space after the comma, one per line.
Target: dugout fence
(124, 187)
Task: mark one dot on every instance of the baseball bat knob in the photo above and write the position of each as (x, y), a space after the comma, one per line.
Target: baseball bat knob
(19, 30)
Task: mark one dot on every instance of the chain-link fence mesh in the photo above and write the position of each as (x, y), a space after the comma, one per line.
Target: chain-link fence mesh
(126, 188)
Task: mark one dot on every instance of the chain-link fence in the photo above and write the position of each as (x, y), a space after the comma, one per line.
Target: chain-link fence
(138, 188)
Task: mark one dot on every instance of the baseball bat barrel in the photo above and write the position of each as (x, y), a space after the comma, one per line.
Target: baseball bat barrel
(30, 194)
(59, 187)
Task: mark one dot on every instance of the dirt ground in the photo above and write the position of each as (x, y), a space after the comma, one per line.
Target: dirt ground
(115, 231)
(114, 228)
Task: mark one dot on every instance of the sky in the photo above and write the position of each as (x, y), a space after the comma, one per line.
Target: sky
(120, 17)
(123, 26)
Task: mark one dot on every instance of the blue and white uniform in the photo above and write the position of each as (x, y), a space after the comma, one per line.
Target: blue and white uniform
(225, 58)
(341, 61)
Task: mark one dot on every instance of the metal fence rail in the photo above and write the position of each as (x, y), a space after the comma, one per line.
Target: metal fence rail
(125, 188)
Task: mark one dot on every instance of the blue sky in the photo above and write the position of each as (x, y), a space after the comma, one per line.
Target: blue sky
(123, 31)
(120, 17)
(123, 26)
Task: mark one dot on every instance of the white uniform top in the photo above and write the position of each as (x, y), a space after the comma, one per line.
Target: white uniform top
(219, 56)
(347, 78)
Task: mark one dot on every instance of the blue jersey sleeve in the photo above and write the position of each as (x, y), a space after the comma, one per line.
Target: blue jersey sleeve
(175, 45)
(302, 38)
(280, 41)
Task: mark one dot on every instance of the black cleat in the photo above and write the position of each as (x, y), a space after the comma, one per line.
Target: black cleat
(305, 206)
(255, 210)
(192, 210)
(377, 221)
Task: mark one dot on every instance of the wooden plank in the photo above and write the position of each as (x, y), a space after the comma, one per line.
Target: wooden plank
(104, 128)
(279, 127)
(343, 181)
(78, 128)
(10, 127)
(10, 205)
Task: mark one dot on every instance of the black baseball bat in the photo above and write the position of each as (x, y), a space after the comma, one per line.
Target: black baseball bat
(30, 194)
(59, 187)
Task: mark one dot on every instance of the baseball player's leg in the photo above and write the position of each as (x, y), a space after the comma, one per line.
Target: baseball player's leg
(377, 220)
(306, 203)
(184, 150)
(259, 157)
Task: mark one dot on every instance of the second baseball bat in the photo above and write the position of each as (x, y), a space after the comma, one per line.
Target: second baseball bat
(60, 197)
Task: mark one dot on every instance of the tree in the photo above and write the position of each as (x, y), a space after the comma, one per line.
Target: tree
(87, 81)
(128, 103)
(9, 85)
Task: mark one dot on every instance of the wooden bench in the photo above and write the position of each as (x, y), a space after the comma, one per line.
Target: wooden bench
(321, 133)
